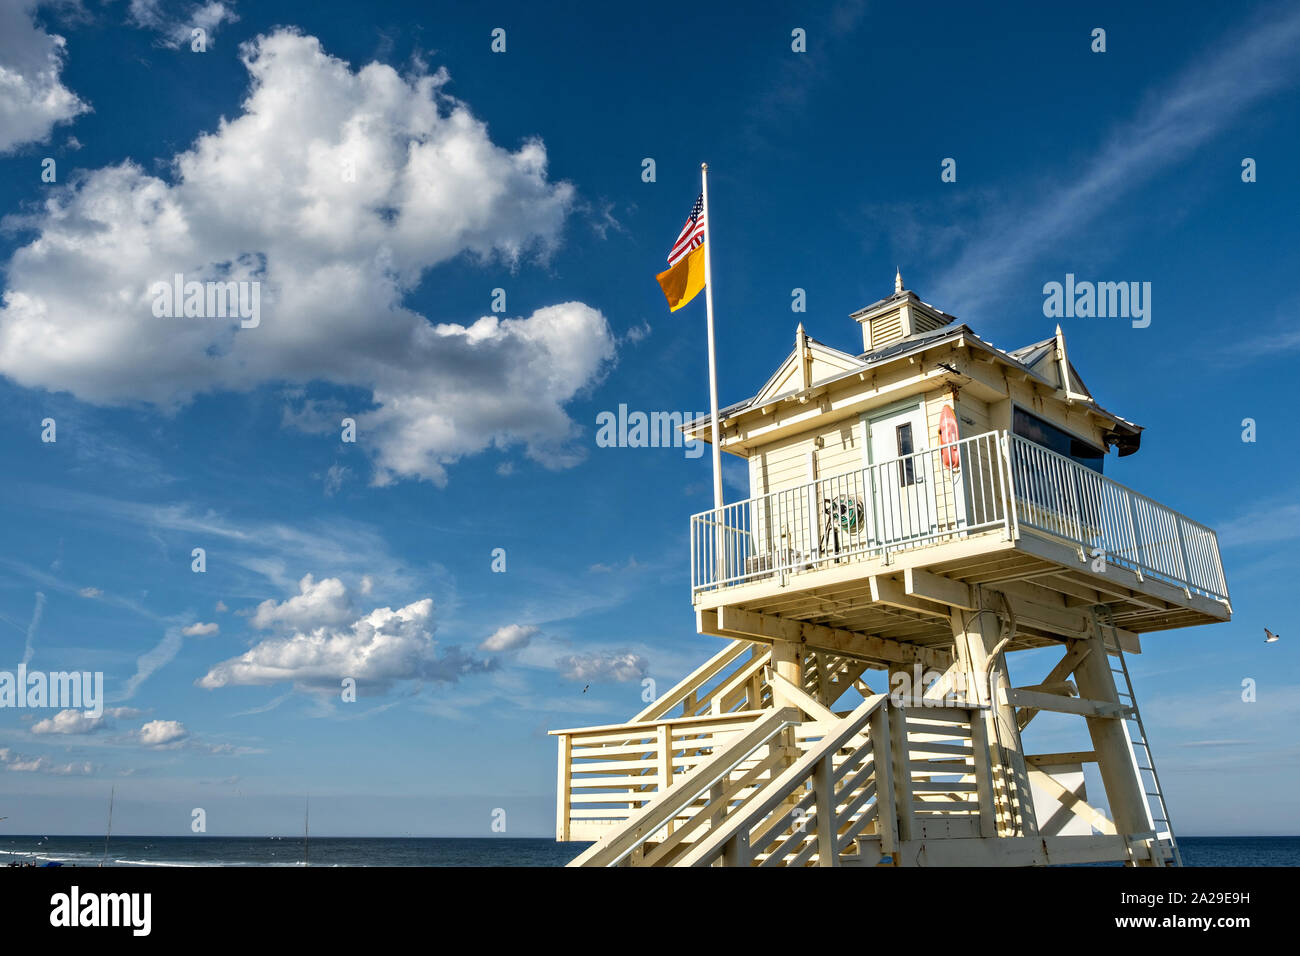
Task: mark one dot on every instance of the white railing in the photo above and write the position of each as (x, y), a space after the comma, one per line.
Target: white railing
(1059, 497)
(949, 492)
(932, 495)
(608, 773)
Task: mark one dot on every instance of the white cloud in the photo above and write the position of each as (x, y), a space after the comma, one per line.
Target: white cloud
(508, 638)
(599, 667)
(162, 733)
(29, 649)
(90, 592)
(317, 604)
(334, 478)
(33, 99)
(272, 550)
(174, 22)
(70, 722)
(383, 647)
(81, 722)
(152, 660)
(1204, 100)
(1269, 522)
(265, 198)
(21, 763)
(198, 629)
(631, 564)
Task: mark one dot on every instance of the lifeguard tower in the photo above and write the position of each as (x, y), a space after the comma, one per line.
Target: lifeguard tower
(923, 515)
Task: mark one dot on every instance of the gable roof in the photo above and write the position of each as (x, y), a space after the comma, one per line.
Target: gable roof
(1041, 357)
(1036, 360)
(832, 361)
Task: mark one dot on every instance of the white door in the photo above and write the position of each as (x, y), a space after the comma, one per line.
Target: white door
(903, 498)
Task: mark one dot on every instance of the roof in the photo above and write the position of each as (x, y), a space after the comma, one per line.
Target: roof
(899, 297)
(1127, 433)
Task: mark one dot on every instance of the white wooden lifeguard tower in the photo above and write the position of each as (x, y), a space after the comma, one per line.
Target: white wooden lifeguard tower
(926, 509)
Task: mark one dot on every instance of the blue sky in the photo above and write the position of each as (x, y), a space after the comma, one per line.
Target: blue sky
(476, 430)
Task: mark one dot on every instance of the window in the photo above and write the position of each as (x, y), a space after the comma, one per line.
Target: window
(906, 466)
(1062, 442)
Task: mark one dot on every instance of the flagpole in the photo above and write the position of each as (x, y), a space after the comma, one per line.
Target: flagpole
(713, 354)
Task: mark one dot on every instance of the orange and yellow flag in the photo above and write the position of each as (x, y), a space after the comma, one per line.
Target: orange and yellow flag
(685, 276)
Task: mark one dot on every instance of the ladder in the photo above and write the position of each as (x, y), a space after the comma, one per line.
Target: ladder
(1143, 759)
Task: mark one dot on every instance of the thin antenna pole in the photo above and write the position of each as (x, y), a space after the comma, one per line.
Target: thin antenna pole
(306, 834)
(111, 798)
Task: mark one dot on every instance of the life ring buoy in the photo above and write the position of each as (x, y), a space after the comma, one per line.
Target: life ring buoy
(948, 437)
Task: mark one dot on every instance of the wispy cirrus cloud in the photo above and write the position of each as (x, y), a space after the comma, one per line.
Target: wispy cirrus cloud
(1199, 104)
(174, 23)
(23, 763)
(1270, 521)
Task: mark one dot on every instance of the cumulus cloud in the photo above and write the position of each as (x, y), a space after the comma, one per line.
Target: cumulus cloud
(33, 99)
(81, 722)
(317, 604)
(508, 638)
(174, 23)
(338, 190)
(603, 667)
(174, 735)
(69, 722)
(378, 649)
(162, 733)
(198, 629)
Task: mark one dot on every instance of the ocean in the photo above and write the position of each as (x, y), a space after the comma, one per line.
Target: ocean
(447, 851)
(286, 851)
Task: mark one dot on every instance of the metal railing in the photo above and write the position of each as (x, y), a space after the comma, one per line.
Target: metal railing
(972, 486)
(1059, 497)
(931, 495)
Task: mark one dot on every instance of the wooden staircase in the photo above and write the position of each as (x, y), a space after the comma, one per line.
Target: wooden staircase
(729, 779)
(713, 774)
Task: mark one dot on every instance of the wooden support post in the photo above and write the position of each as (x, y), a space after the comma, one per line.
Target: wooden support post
(902, 773)
(975, 636)
(979, 739)
(1119, 773)
(737, 851)
(664, 739)
(563, 794)
(886, 812)
(787, 661)
(825, 791)
(719, 816)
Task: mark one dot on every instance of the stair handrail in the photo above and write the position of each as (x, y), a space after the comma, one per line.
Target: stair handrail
(650, 819)
(715, 665)
(705, 852)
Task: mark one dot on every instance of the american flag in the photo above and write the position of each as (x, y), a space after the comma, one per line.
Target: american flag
(692, 236)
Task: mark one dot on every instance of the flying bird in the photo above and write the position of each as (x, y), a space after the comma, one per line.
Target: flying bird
(1269, 637)
(584, 690)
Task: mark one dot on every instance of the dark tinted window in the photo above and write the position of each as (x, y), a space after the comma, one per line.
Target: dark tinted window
(907, 466)
(1063, 443)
